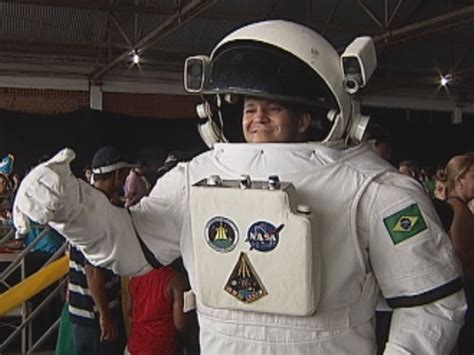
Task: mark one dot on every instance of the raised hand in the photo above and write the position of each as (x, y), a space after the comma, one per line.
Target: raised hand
(48, 193)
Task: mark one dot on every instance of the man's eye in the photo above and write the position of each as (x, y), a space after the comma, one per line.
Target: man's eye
(249, 110)
(276, 108)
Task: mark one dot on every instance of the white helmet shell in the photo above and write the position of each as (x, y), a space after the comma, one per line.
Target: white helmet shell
(309, 47)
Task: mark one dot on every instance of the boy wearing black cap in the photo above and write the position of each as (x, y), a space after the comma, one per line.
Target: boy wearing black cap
(94, 293)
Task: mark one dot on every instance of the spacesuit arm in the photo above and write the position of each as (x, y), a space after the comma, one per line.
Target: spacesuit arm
(51, 194)
(415, 265)
(430, 328)
(159, 217)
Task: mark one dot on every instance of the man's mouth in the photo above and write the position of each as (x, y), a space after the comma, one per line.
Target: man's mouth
(259, 128)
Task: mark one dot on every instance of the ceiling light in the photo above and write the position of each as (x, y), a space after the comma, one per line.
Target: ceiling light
(135, 57)
(445, 79)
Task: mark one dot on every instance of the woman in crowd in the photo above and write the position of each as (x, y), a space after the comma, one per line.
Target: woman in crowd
(460, 175)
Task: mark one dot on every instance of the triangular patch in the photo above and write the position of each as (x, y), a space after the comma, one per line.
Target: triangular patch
(244, 283)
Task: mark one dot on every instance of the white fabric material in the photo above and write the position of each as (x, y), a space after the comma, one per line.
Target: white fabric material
(406, 276)
(349, 191)
(41, 195)
(81, 312)
(295, 242)
(112, 167)
(410, 336)
(51, 194)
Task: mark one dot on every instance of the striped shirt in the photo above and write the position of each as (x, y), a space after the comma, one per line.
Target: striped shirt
(82, 308)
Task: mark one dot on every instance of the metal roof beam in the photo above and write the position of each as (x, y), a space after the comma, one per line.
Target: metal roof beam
(394, 13)
(55, 44)
(99, 5)
(330, 16)
(434, 24)
(370, 13)
(121, 30)
(174, 21)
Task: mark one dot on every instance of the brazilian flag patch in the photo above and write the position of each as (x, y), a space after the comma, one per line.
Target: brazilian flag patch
(405, 224)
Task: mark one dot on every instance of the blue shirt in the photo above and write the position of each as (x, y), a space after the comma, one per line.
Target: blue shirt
(51, 242)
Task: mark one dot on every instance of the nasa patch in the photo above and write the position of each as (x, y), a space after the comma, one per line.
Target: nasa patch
(263, 236)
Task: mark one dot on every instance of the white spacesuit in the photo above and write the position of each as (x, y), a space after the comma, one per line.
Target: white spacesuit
(370, 228)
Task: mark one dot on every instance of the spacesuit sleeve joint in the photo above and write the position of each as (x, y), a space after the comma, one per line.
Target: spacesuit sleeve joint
(149, 256)
(427, 297)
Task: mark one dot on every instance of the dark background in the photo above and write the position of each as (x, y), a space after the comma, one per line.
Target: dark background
(29, 137)
(428, 137)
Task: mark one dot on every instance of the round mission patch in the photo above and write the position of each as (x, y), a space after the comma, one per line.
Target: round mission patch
(221, 234)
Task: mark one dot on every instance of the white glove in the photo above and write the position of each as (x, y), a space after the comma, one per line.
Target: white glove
(50, 192)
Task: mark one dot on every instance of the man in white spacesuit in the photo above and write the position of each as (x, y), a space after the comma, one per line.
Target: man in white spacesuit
(339, 224)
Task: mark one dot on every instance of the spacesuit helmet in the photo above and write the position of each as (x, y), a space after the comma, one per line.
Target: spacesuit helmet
(277, 60)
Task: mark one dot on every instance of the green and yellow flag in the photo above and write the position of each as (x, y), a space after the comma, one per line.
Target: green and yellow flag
(405, 224)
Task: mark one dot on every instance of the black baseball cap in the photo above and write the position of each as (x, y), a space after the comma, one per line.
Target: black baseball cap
(111, 158)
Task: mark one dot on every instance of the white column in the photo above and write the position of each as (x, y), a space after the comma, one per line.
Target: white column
(95, 92)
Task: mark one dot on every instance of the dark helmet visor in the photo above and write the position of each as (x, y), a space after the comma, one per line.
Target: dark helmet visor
(261, 70)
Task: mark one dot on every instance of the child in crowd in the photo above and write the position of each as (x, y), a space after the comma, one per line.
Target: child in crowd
(158, 323)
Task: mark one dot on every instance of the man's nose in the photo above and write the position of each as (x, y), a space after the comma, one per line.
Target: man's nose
(261, 113)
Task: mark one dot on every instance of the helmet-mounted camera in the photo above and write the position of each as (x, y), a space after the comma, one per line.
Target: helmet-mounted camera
(196, 70)
(358, 62)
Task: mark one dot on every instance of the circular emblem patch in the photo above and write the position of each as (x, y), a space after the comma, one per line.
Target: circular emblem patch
(221, 234)
(405, 223)
(263, 236)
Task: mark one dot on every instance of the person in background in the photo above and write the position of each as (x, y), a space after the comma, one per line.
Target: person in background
(158, 323)
(410, 168)
(460, 177)
(427, 178)
(6, 164)
(94, 293)
(440, 193)
(380, 139)
(15, 182)
(87, 174)
(136, 185)
(6, 198)
(441, 186)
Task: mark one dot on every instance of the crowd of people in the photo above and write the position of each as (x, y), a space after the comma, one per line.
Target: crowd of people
(107, 314)
(141, 314)
(370, 230)
(154, 301)
(451, 189)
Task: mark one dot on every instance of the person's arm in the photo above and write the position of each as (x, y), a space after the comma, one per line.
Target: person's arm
(107, 235)
(462, 233)
(96, 279)
(415, 265)
(185, 323)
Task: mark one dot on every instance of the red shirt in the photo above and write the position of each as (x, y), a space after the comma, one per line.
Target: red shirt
(152, 328)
